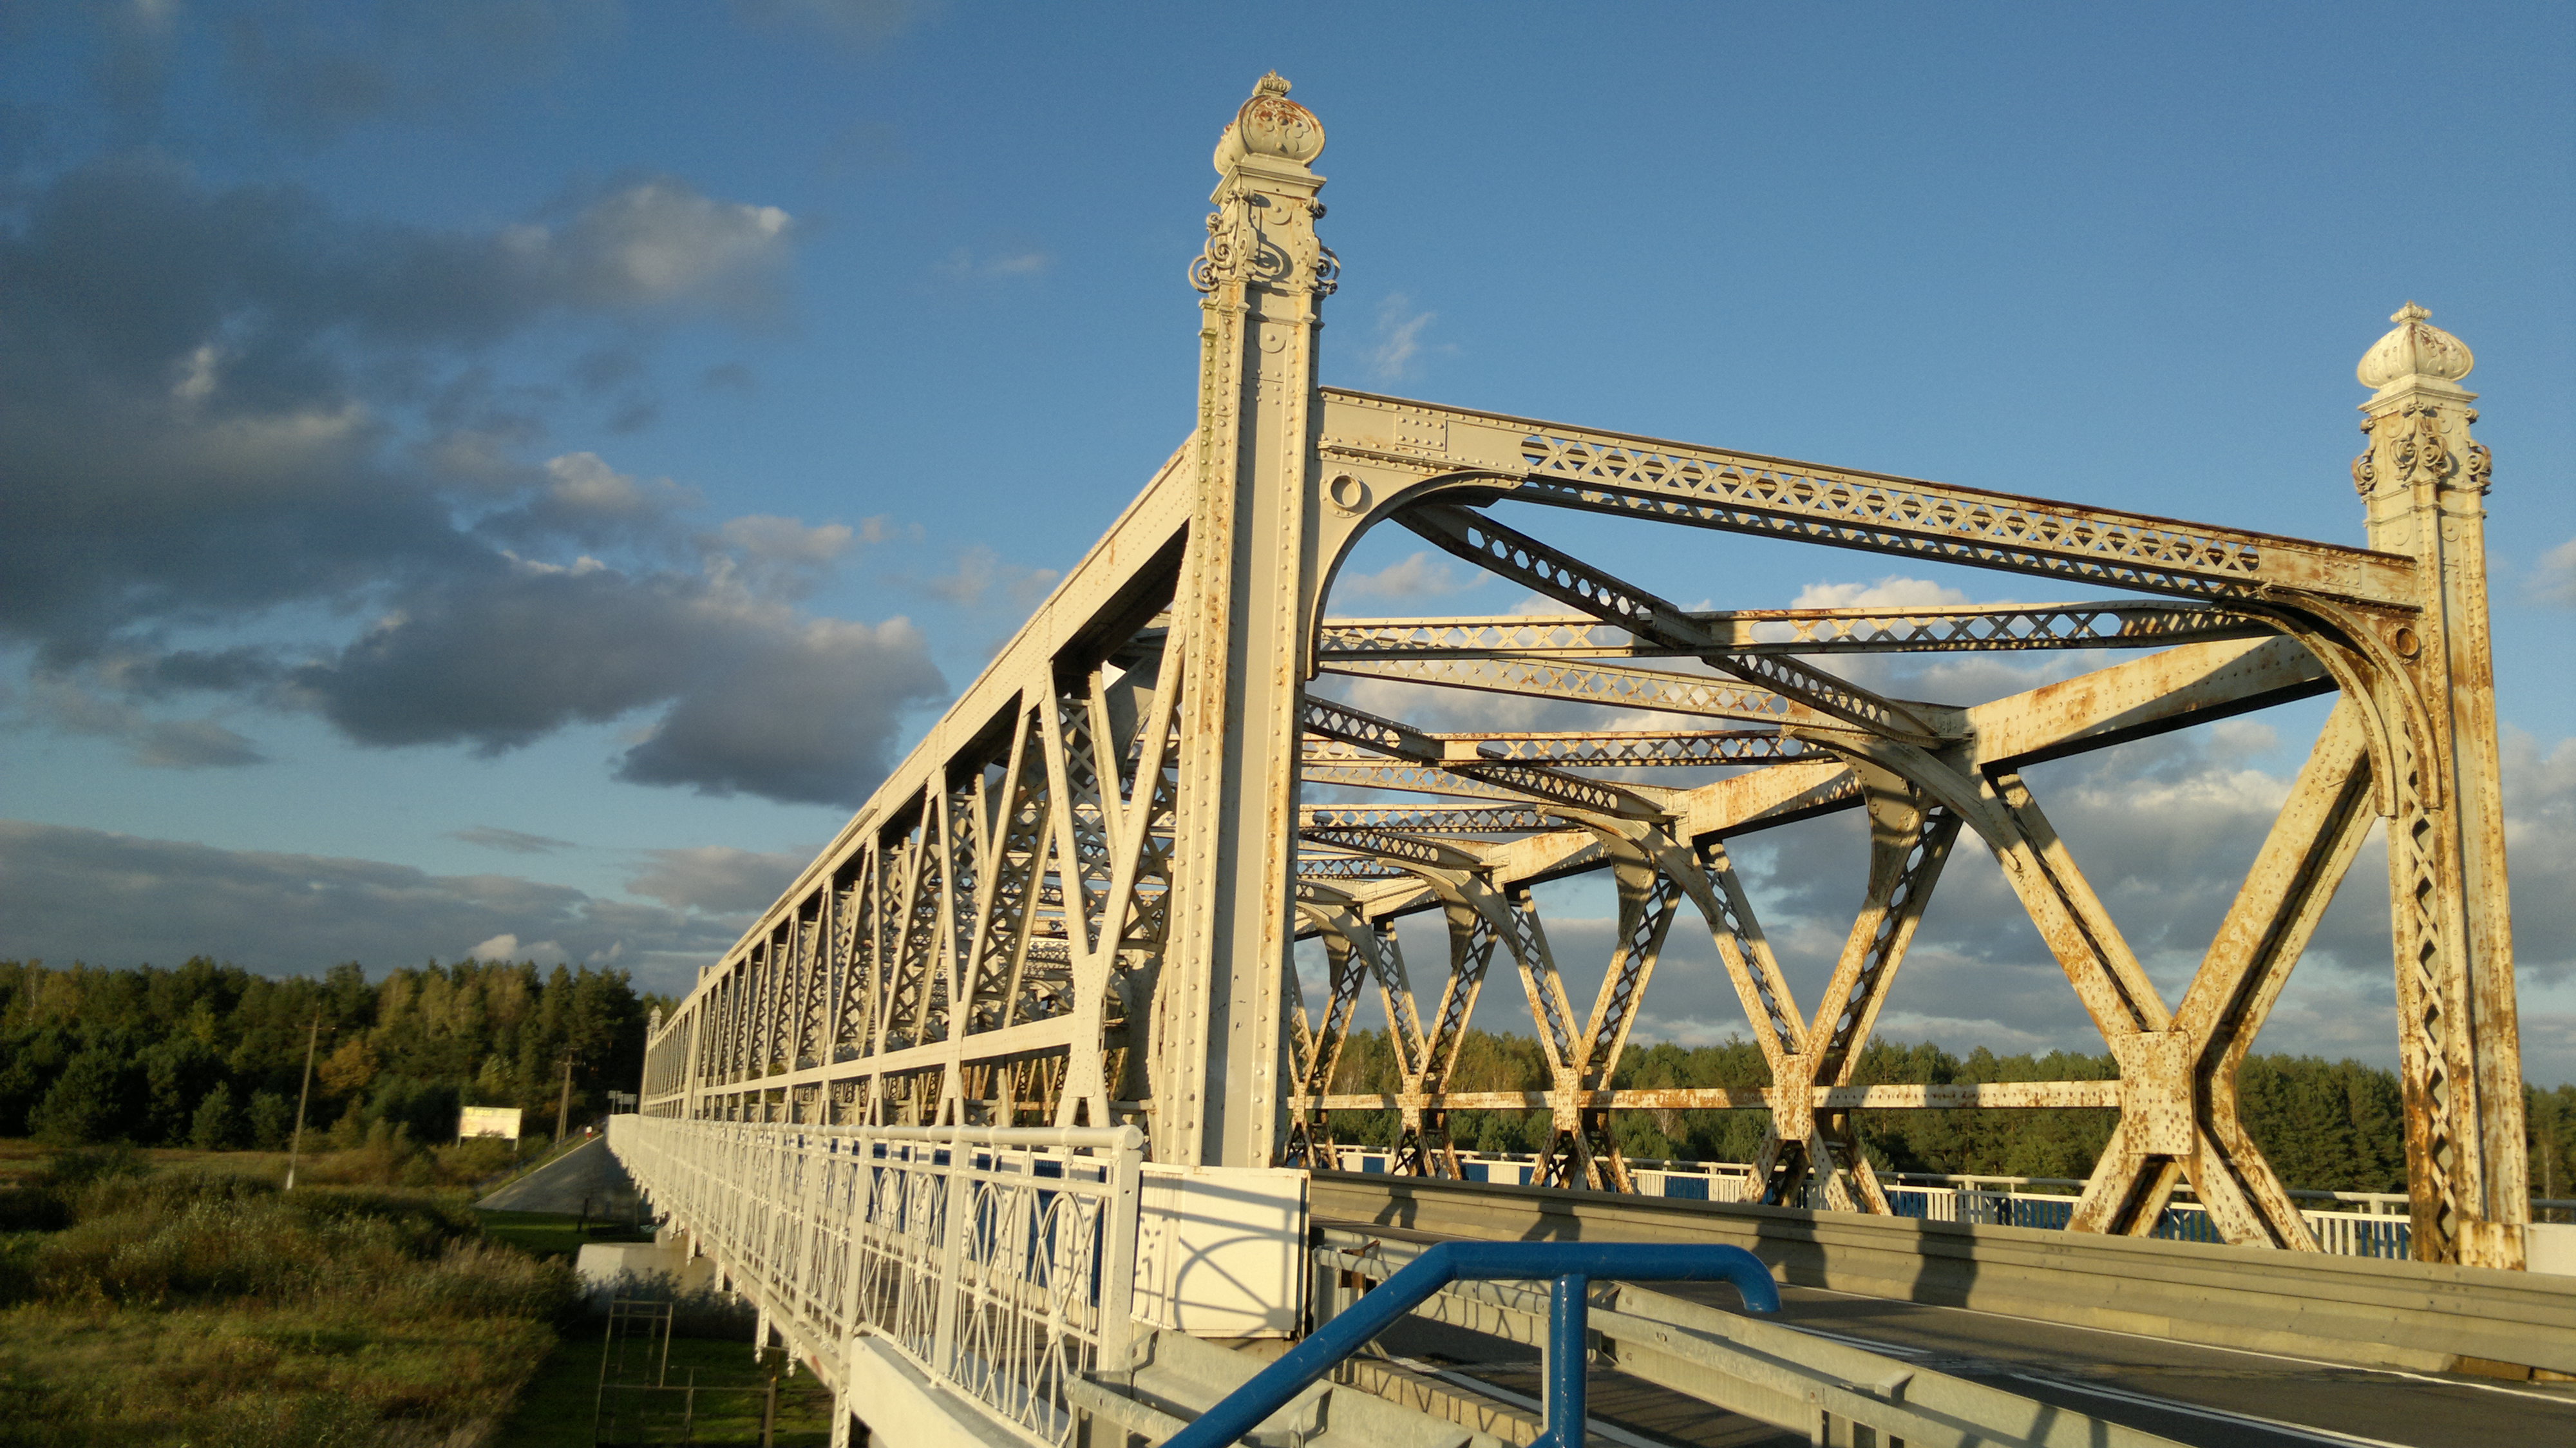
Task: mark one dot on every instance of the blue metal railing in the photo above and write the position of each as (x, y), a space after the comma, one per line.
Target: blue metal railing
(1573, 1266)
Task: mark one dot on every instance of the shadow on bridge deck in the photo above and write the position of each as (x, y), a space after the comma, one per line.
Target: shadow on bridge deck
(2192, 1393)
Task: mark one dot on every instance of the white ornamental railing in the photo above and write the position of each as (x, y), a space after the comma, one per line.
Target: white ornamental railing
(1001, 1262)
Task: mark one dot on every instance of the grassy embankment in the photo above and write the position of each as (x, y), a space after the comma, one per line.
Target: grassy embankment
(180, 1297)
(195, 1305)
(170, 1296)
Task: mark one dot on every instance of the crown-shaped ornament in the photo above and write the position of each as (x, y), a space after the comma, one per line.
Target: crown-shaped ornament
(1270, 124)
(2416, 348)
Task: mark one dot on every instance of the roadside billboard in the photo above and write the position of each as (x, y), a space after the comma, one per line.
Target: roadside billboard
(501, 1121)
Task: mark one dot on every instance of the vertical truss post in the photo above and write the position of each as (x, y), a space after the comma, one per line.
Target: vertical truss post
(1909, 841)
(2423, 480)
(1221, 1030)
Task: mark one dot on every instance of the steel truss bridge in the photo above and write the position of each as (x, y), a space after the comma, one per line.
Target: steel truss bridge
(944, 1109)
(1073, 902)
(1074, 905)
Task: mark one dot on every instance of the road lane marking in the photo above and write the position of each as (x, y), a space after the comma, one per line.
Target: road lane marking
(2220, 1415)
(2536, 1395)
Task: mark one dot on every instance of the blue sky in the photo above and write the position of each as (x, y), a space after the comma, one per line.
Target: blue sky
(517, 469)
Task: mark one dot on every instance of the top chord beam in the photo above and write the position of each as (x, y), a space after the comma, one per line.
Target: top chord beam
(1609, 472)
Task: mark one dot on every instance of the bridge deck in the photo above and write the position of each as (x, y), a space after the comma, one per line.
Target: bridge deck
(2219, 1397)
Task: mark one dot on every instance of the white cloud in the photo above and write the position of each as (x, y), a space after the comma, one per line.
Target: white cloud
(2554, 581)
(717, 879)
(964, 264)
(506, 946)
(1422, 575)
(1398, 340)
(658, 242)
(981, 573)
(882, 528)
(787, 540)
(64, 705)
(1892, 591)
(71, 894)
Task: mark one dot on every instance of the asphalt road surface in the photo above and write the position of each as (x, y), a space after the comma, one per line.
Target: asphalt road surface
(2214, 1397)
(584, 1179)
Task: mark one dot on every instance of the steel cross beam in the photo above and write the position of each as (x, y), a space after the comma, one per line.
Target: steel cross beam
(1074, 903)
(1604, 749)
(2000, 627)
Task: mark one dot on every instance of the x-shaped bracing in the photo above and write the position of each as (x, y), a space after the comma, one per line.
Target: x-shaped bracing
(1920, 782)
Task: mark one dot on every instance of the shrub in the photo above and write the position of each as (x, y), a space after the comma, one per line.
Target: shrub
(85, 1104)
(217, 1125)
(272, 1120)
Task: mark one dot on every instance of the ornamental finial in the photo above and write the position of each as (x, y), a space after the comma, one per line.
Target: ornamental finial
(1263, 231)
(1270, 124)
(2416, 348)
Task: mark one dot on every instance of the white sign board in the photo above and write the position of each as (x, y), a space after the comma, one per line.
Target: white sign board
(501, 1121)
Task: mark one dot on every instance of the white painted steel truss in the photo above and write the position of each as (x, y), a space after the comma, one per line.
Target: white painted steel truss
(1074, 902)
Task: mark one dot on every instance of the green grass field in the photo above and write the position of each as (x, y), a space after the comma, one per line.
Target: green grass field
(556, 1234)
(556, 1411)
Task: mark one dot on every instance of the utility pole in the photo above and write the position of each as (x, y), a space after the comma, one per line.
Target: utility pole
(296, 1148)
(563, 1103)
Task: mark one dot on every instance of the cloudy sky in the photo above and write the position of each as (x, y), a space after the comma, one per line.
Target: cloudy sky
(506, 477)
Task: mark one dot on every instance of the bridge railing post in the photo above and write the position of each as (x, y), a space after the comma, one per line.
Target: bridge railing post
(960, 1190)
(1118, 1227)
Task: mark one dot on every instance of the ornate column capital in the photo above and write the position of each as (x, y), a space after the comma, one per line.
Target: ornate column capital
(1263, 229)
(2421, 455)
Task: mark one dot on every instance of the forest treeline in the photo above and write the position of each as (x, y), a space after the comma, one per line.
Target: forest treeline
(2325, 1125)
(212, 1056)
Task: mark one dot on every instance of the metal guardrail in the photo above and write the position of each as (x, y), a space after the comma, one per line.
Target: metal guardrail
(1761, 1369)
(1570, 1268)
(1000, 1262)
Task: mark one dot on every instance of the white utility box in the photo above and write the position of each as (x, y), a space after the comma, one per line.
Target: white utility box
(2548, 1247)
(1221, 1251)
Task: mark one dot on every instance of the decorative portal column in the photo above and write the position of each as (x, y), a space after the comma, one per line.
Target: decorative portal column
(2424, 480)
(1220, 1025)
